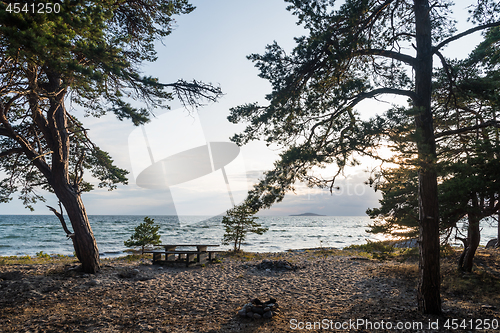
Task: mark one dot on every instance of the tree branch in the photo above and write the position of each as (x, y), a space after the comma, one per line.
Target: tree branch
(357, 99)
(446, 67)
(492, 123)
(465, 33)
(7, 130)
(61, 218)
(449, 75)
(382, 91)
(79, 171)
(388, 54)
(189, 93)
(11, 152)
(4, 132)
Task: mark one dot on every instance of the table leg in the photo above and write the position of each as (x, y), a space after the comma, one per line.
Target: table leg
(189, 257)
(156, 257)
(202, 257)
(169, 257)
(202, 254)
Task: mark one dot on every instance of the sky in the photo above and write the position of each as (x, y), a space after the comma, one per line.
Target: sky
(211, 44)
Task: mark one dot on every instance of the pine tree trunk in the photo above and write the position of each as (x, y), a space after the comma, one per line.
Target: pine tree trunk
(473, 237)
(428, 295)
(83, 240)
(462, 255)
(67, 193)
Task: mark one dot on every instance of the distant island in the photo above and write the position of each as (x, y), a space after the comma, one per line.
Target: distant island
(307, 214)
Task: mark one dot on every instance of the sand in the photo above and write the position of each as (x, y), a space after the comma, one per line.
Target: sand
(326, 292)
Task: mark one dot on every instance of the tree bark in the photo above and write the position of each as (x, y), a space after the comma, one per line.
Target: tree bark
(429, 300)
(473, 239)
(83, 240)
(462, 255)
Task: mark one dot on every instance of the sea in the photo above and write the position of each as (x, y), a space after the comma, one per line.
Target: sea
(22, 235)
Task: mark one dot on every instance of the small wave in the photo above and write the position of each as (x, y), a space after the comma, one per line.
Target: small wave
(13, 237)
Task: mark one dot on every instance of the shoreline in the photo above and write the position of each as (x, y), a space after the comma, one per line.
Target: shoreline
(27, 235)
(128, 252)
(132, 295)
(124, 253)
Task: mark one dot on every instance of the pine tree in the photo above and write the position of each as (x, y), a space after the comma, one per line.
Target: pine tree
(145, 234)
(238, 222)
(468, 152)
(87, 54)
(362, 50)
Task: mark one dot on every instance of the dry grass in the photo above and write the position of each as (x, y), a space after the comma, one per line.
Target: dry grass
(40, 258)
(482, 285)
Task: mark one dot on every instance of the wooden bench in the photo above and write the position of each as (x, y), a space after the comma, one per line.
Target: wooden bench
(199, 256)
(156, 255)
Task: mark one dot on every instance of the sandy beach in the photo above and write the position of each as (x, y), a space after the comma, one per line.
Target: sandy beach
(325, 291)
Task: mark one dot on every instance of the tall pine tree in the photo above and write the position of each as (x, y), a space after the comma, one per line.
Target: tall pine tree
(87, 53)
(364, 49)
(468, 147)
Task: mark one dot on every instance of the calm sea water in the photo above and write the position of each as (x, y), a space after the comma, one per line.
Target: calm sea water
(29, 234)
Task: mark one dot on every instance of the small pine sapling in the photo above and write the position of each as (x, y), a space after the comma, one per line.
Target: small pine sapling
(145, 233)
(238, 222)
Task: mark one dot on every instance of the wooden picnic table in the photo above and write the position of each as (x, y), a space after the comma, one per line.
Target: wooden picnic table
(200, 247)
(172, 254)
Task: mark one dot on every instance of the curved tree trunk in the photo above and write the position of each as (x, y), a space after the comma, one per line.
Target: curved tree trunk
(59, 179)
(473, 239)
(83, 239)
